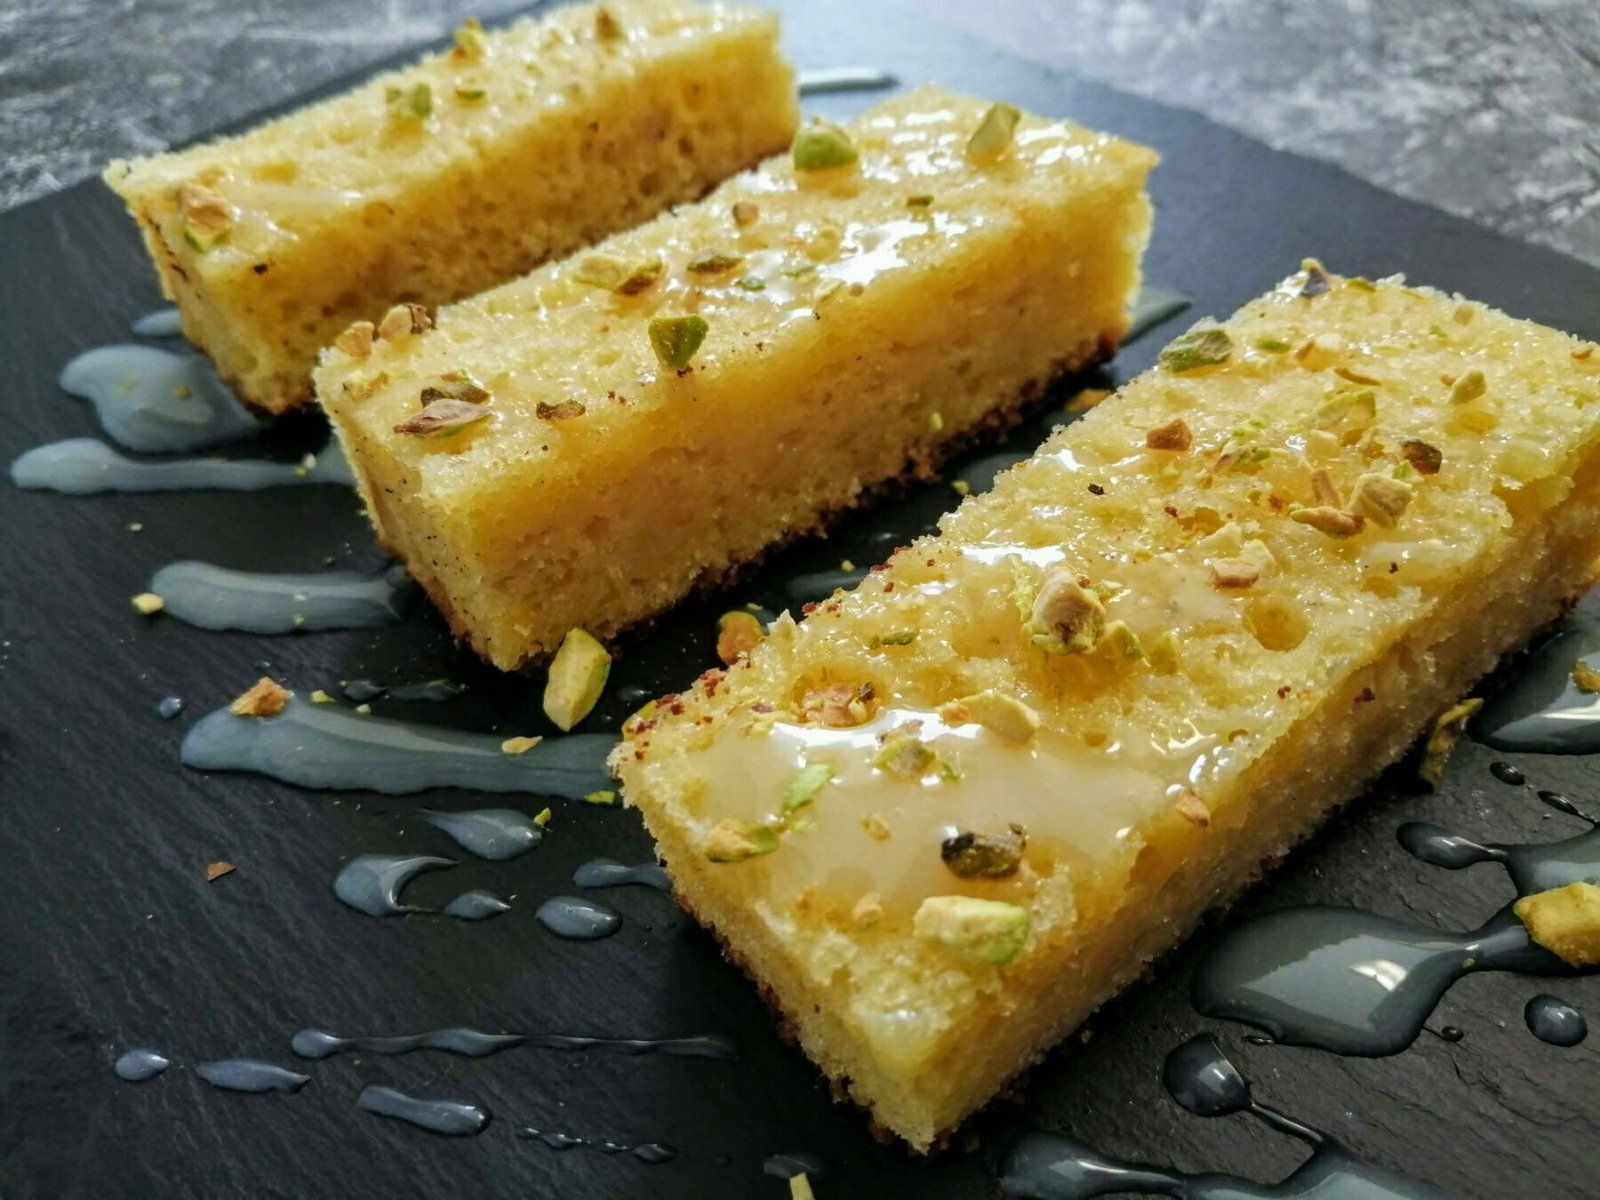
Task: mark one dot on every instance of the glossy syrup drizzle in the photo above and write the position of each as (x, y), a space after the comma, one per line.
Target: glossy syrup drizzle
(497, 834)
(1553, 1020)
(607, 873)
(331, 747)
(158, 402)
(474, 1043)
(138, 1064)
(250, 1075)
(212, 597)
(577, 919)
(371, 883)
(85, 466)
(1541, 709)
(1203, 1080)
(649, 1152)
(163, 322)
(453, 1118)
(1356, 983)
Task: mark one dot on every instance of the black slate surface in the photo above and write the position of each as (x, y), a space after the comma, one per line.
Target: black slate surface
(111, 938)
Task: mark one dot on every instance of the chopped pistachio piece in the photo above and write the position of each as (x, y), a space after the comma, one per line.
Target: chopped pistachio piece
(601, 271)
(1234, 573)
(905, 756)
(414, 103)
(1565, 921)
(564, 411)
(987, 931)
(738, 633)
(994, 134)
(206, 215)
(901, 637)
(1358, 377)
(1270, 345)
(603, 796)
(321, 697)
(443, 418)
(806, 786)
(1360, 284)
(1468, 387)
(1446, 730)
(148, 603)
(1122, 641)
(1585, 678)
(1323, 489)
(356, 341)
(1174, 435)
(839, 705)
(542, 818)
(519, 745)
(266, 698)
(922, 201)
(404, 319)
(641, 278)
(1205, 346)
(1352, 410)
(577, 677)
(1331, 521)
(470, 91)
(745, 213)
(606, 25)
(1066, 616)
(469, 39)
(1163, 654)
(821, 146)
(456, 385)
(1381, 499)
(877, 828)
(799, 1185)
(732, 840)
(984, 855)
(1000, 714)
(715, 264)
(675, 339)
(1424, 458)
(751, 283)
(1312, 280)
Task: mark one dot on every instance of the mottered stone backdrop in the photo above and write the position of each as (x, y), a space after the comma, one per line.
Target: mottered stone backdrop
(1486, 108)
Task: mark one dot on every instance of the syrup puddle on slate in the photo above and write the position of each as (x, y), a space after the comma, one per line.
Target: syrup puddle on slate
(608, 873)
(1555, 1021)
(163, 323)
(496, 834)
(139, 1064)
(789, 1163)
(578, 919)
(249, 1075)
(1541, 710)
(211, 597)
(371, 883)
(363, 691)
(1356, 983)
(1201, 1078)
(158, 402)
(648, 1152)
(453, 1118)
(844, 79)
(476, 905)
(85, 467)
(168, 707)
(325, 746)
(474, 1043)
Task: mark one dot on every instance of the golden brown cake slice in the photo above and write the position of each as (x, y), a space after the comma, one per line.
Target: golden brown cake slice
(437, 181)
(947, 815)
(612, 429)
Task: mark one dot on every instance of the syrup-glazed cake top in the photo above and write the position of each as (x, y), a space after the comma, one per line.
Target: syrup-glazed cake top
(1006, 712)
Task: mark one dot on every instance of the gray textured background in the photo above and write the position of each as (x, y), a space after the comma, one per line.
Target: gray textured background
(1487, 108)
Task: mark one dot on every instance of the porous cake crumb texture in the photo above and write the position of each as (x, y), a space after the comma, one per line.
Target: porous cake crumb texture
(440, 180)
(1229, 595)
(840, 326)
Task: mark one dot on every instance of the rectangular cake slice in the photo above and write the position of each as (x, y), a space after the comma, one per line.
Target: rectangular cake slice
(469, 168)
(634, 420)
(948, 814)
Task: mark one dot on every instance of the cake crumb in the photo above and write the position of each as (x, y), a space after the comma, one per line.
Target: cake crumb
(267, 698)
(868, 910)
(519, 745)
(404, 319)
(1442, 737)
(217, 870)
(1565, 921)
(356, 341)
(1174, 435)
(148, 603)
(1235, 573)
(1585, 678)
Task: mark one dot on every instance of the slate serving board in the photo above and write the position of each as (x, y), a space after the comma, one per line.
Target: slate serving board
(110, 936)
